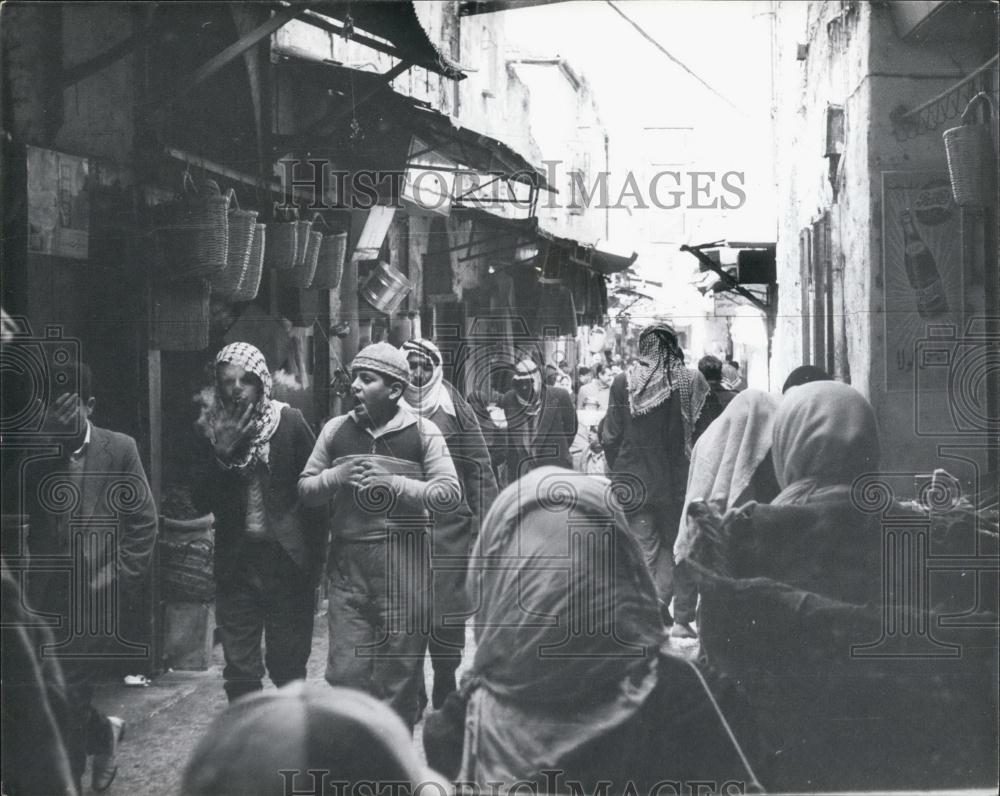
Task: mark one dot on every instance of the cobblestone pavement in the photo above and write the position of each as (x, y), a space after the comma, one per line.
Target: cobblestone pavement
(165, 720)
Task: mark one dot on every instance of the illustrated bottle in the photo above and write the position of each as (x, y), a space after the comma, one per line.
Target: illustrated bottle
(922, 272)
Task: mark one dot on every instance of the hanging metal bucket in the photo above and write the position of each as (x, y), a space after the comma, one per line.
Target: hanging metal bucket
(386, 288)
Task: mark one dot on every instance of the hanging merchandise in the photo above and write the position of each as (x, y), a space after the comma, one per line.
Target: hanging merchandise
(282, 241)
(971, 155)
(247, 289)
(241, 232)
(386, 288)
(192, 232)
(302, 230)
(301, 276)
(556, 312)
(330, 263)
(597, 339)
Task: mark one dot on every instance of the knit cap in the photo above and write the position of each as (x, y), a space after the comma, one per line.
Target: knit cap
(383, 358)
(301, 738)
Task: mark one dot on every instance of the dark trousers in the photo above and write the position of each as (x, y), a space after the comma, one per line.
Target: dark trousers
(88, 730)
(379, 618)
(268, 597)
(655, 528)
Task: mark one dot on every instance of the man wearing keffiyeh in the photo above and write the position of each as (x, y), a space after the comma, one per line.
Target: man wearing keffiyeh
(268, 548)
(454, 532)
(654, 417)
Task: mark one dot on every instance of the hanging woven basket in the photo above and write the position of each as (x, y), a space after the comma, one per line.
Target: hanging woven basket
(282, 244)
(302, 230)
(241, 232)
(330, 264)
(250, 283)
(192, 233)
(301, 276)
(971, 156)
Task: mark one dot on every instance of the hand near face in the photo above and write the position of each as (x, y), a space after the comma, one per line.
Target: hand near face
(232, 431)
(61, 415)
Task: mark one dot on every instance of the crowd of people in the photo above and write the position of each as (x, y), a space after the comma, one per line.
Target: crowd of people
(695, 508)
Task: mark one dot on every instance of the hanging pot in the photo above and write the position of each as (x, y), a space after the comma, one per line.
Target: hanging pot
(386, 288)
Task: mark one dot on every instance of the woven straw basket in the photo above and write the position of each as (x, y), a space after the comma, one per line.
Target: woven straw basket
(971, 156)
(250, 283)
(241, 232)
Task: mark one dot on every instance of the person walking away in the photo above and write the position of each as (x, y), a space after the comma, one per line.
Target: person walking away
(384, 469)
(563, 711)
(100, 473)
(434, 398)
(250, 449)
(541, 422)
(711, 368)
(654, 418)
(731, 462)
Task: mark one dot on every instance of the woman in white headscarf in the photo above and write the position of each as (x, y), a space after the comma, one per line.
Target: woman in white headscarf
(432, 397)
(805, 600)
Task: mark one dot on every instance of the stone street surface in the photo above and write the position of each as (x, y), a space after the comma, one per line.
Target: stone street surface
(165, 720)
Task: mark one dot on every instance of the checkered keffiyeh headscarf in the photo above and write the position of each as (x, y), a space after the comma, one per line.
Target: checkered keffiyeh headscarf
(268, 414)
(659, 372)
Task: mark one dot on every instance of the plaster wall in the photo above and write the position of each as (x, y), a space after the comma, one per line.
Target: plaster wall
(856, 59)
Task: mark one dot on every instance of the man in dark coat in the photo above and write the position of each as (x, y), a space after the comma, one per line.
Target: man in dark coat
(720, 396)
(454, 532)
(541, 422)
(93, 484)
(653, 420)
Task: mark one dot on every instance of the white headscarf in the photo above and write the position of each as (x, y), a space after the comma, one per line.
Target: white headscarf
(428, 398)
(825, 436)
(728, 454)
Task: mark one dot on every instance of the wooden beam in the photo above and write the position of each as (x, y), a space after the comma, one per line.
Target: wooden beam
(328, 123)
(234, 50)
(321, 22)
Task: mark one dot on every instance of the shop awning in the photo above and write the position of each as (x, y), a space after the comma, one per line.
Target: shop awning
(396, 22)
(600, 256)
(369, 98)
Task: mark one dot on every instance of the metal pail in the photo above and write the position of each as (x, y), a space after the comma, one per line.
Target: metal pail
(386, 288)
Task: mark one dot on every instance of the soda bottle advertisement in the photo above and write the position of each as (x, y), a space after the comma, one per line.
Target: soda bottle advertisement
(922, 259)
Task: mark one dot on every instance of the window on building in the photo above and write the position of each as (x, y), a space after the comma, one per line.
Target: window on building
(821, 325)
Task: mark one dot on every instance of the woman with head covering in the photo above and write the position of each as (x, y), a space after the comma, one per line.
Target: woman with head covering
(571, 684)
(307, 739)
(731, 462)
(432, 397)
(803, 605)
(268, 548)
(541, 422)
(654, 417)
(804, 374)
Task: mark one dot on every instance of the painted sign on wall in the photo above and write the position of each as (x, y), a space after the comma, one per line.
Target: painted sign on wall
(58, 204)
(922, 273)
